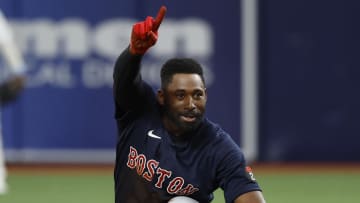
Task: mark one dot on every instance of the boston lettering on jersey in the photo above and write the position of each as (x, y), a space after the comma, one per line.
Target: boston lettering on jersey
(139, 163)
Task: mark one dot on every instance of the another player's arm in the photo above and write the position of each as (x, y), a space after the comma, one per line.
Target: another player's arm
(11, 89)
(8, 48)
(250, 197)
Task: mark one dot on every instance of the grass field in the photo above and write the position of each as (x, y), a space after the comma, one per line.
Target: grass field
(295, 184)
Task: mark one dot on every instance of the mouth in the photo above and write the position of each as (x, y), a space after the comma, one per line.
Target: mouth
(189, 117)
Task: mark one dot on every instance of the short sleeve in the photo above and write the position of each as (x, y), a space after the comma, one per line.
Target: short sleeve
(233, 175)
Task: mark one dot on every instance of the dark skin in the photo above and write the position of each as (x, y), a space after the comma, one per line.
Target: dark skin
(10, 90)
(250, 197)
(185, 98)
(187, 93)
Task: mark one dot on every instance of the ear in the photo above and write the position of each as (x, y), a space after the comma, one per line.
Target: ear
(160, 96)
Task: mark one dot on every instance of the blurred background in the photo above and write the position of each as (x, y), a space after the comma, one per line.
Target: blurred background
(282, 75)
(305, 65)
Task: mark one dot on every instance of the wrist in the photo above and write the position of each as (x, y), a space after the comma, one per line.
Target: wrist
(136, 51)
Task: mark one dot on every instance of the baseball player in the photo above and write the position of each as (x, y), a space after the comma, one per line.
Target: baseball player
(9, 89)
(166, 147)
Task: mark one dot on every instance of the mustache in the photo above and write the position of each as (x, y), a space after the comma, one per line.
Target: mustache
(193, 113)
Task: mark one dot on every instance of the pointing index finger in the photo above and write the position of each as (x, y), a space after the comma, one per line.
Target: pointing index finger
(160, 16)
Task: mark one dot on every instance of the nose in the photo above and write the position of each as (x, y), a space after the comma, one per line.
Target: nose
(189, 103)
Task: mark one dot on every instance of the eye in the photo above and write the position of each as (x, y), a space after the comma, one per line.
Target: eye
(198, 95)
(180, 95)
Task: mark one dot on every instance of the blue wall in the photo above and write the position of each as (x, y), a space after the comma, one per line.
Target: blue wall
(308, 71)
(70, 47)
(310, 80)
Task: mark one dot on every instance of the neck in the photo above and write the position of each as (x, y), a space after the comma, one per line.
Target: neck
(171, 127)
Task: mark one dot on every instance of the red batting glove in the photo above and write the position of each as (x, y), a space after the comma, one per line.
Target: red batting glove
(145, 33)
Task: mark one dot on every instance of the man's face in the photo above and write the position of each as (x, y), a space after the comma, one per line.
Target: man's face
(184, 101)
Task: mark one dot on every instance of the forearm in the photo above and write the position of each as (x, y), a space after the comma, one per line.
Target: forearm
(129, 89)
(8, 49)
(10, 90)
(6, 96)
(127, 67)
(13, 58)
(127, 79)
(250, 197)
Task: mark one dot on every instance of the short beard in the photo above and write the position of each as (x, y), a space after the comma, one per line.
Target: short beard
(183, 127)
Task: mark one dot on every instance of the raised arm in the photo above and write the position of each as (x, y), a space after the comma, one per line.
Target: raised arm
(8, 49)
(128, 86)
(11, 88)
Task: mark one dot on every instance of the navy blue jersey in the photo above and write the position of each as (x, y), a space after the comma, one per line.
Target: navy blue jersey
(153, 165)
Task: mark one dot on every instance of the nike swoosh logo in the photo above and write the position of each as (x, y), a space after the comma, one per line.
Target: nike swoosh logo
(151, 134)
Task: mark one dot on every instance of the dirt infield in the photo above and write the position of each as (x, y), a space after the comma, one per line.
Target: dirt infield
(41, 168)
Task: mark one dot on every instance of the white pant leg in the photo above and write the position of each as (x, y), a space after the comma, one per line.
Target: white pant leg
(2, 162)
(2, 165)
(182, 199)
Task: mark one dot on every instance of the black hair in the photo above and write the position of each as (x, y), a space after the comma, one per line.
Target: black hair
(179, 65)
